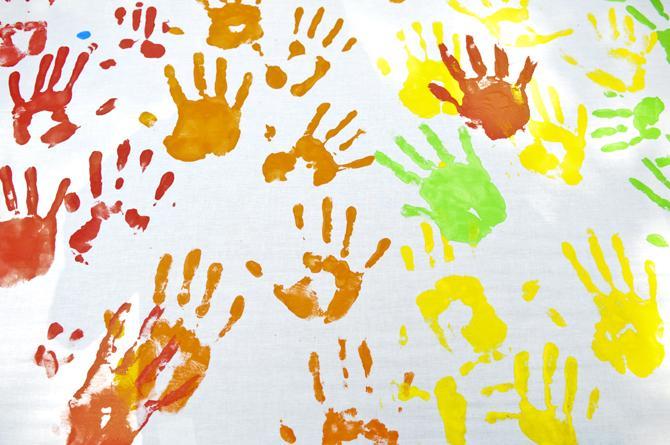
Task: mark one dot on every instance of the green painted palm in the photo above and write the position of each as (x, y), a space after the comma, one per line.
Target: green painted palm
(461, 198)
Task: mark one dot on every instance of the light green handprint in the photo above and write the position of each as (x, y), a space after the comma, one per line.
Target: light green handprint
(663, 35)
(462, 200)
(654, 167)
(644, 116)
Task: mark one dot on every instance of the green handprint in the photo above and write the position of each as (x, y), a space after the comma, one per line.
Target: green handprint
(645, 115)
(663, 35)
(655, 167)
(463, 201)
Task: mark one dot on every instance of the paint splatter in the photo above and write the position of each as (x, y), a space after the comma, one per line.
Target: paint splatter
(149, 49)
(10, 53)
(403, 339)
(657, 240)
(233, 24)
(254, 268)
(270, 132)
(407, 391)
(147, 119)
(557, 318)
(105, 108)
(84, 35)
(530, 289)
(594, 399)
(286, 433)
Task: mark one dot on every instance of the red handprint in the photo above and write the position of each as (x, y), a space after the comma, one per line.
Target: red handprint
(10, 54)
(27, 243)
(148, 48)
(49, 100)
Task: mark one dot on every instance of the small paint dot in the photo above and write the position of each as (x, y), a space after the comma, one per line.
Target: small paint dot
(84, 35)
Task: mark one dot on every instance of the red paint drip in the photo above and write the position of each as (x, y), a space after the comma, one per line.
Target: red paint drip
(145, 158)
(55, 329)
(122, 153)
(166, 182)
(106, 107)
(135, 220)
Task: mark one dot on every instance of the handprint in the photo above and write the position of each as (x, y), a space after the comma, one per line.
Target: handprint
(536, 158)
(314, 153)
(47, 358)
(10, 53)
(644, 116)
(407, 253)
(101, 210)
(301, 299)
(224, 31)
(655, 167)
(628, 333)
(488, 101)
(148, 48)
(503, 20)
(662, 35)
(276, 76)
(209, 124)
(27, 243)
(122, 392)
(543, 426)
(462, 199)
(344, 426)
(48, 100)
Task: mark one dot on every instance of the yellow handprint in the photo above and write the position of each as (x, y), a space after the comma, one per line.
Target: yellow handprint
(627, 335)
(536, 158)
(407, 253)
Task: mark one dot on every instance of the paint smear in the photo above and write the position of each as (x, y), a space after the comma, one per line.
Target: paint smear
(106, 107)
(407, 391)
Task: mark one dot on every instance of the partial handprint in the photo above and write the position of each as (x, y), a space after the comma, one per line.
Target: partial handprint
(644, 117)
(314, 153)
(27, 243)
(46, 100)
(662, 35)
(628, 333)
(276, 76)
(499, 107)
(537, 158)
(462, 199)
(160, 371)
(148, 48)
(407, 253)
(542, 426)
(208, 125)
(47, 358)
(224, 31)
(655, 167)
(301, 299)
(10, 53)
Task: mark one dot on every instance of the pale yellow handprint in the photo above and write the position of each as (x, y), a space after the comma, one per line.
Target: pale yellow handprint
(542, 426)
(422, 70)
(625, 47)
(628, 333)
(505, 21)
(407, 253)
(537, 158)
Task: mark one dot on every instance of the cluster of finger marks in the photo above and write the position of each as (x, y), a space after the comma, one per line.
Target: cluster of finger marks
(148, 48)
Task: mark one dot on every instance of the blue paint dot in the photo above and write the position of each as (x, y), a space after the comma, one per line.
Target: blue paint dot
(84, 35)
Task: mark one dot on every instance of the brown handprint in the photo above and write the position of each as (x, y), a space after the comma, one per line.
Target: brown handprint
(314, 153)
(276, 77)
(49, 100)
(209, 124)
(224, 31)
(148, 48)
(10, 53)
(300, 298)
(501, 108)
(27, 243)
(47, 358)
(122, 392)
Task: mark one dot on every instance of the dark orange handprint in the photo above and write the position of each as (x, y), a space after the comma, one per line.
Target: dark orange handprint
(27, 243)
(499, 107)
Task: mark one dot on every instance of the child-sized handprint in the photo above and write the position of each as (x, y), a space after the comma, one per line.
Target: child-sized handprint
(300, 298)
(10, 52)
(462, 200)
(542, 425)
(537, 158)
(225, 32)
(160, 371)
(644, 116)
(499, 107)
(654, 167)
(149, 49)
(276, 76)
(662, 35)
(47, 358)
(46, 99)
(314, 153)
(27, 243)
(407, 253)
(628, 333)
(209, 124)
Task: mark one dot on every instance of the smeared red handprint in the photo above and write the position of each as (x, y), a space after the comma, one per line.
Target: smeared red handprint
(47, 99)
(148, 48)
(499, 107)
(47, 358)
(101, 210)
(27, 243)
(10, 53)
(160, 371)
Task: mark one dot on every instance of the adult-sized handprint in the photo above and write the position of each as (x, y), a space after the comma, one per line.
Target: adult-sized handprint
(537, 158)
(499, 107)
(628, 333)
(542, 426)
(10, 53)
(224, 31)
(46, 99)
(462, 200)
(314, 153)
(27, 243)
(209, 124)
(276, 77)
(300, 298)
(148, 48)
(160, 371)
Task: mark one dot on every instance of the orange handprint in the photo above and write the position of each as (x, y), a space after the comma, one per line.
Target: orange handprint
(224, 31)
